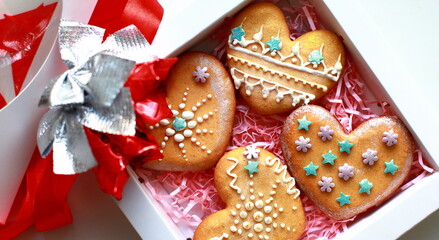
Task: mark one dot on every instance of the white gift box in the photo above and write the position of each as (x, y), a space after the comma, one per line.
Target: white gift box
(386, 64)
(19, 119)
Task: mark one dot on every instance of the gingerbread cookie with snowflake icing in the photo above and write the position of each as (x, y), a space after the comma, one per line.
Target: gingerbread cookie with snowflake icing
(273, 73)
(261, 197)
(345, 174)
(201, 96)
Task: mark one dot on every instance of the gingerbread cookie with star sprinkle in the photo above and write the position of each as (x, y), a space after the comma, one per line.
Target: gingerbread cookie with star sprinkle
(202, 99)
(262, 199)
(345, 174)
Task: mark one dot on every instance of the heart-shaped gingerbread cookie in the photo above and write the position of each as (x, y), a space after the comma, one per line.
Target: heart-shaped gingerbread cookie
(261, 197)
(273, 73)
(201, 96)
(345, 174)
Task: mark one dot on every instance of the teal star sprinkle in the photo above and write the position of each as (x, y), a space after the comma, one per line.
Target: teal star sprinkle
(316, 57)
(365, 186)
(311, 169)
(179, 124)
(237, 33)
(329, 158)
(343, 199)
(345, 146)
(252, 167)
(390, 167)
(274, 44)
(303, 123)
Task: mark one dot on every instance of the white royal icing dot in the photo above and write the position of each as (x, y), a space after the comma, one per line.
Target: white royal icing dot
(181, 145)
(268, 209)
(209, 96)
(238, 206)
(182, 105)
(164, 122)
(246, 225)
(233, 229)
(198, 131)
(193, 139)
(191, 124)
(258, 227)
(268, 220)
(243, 214)
(236, 221)
(268, 230)
(252, 197)
(258, 216)
(178, 137)
(259, 204)
(198, 104)
(163, 144)
(187, 133)
(200, 119)
(169, 132)
(249, 205)
(175, 113)
(194, 109)
(187, 115)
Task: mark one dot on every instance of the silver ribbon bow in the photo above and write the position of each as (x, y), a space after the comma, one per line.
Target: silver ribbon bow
(90, 93)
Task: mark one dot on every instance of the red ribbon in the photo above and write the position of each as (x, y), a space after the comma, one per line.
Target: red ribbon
(42, 196)
(20, 37)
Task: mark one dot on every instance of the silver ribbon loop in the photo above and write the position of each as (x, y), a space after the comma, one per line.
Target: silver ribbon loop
(90, 93)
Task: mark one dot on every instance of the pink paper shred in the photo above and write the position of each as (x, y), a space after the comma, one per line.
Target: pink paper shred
(191, 196)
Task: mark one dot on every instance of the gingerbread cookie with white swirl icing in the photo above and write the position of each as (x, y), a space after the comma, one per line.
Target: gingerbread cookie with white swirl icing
(261, 197)
(273, 73)
(201, 96)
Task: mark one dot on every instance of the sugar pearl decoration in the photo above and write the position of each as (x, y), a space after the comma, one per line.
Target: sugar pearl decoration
(258, 216)
(258, 227)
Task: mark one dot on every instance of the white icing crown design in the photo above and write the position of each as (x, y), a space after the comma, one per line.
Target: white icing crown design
(270, 52)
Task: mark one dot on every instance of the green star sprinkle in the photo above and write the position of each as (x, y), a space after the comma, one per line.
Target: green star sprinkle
(303, 123)
(179, 124)
(329, 158)
(390, 167)
(237, 33)
(365, 186)
(274, 44)
(343, 199)
(252, 167)
(345, 146)
(311, 169)
(316, 57)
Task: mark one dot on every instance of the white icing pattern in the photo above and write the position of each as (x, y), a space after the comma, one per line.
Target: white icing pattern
(233, 175)
(189, 125)
(267, 86)
(390, 138)
(225, 235)
(200, 74)
(303, 144)
(281, 168)
(251, 152)
(259, 50)
(370, 157)
(326, 184)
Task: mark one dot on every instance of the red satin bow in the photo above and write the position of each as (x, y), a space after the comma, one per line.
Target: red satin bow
(41, 200)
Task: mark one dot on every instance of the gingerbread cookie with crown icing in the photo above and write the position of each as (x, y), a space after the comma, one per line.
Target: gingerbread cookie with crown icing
(201, 96)
(273, 73)
(261, 197)
(345, 174)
